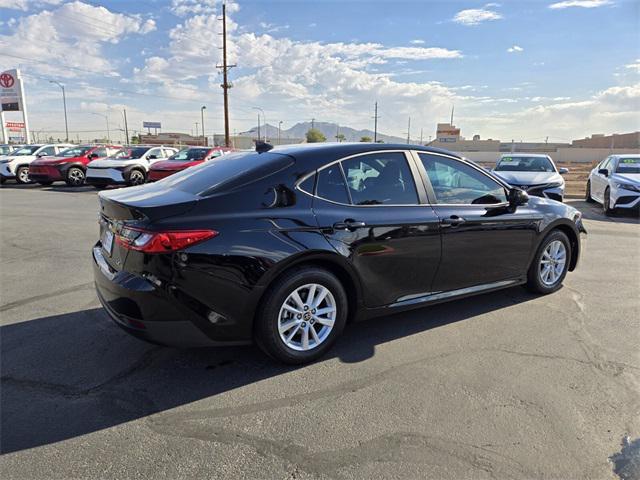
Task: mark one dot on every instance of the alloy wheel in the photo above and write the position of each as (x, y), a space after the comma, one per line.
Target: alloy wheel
(307, 317)
(23, 175)
(136, 177)
(76, 176)
(552, 262)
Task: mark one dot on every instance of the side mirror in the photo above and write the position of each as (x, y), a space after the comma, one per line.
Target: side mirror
(92, 156)
(40, 155)
(563, 170)
(517, 197)
(152, 157)
(603, 171)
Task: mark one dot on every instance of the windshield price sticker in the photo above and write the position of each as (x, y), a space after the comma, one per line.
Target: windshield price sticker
(632, 161)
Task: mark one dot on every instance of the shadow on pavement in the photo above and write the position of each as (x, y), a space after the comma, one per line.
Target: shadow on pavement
(594, 212)
(69, 375)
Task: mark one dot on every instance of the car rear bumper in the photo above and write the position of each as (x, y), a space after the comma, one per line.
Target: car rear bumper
(152, 313)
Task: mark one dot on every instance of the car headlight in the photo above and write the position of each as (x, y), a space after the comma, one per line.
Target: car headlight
(554, 185)
(628, 186)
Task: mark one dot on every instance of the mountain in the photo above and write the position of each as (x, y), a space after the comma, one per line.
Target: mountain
(299, 130)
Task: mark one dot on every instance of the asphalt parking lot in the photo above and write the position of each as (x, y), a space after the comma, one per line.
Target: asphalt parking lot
(504, 385)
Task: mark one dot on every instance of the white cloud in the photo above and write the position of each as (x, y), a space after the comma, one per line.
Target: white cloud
(515, 49)
(579, 3)
(26, 4)
(72, 34)
(475, 16)
(417, 42)
(634, 66)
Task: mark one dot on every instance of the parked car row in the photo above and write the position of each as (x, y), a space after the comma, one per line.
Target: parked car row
(615, 183)
(100, 165)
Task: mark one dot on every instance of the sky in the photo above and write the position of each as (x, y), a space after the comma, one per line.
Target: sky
(523, 70)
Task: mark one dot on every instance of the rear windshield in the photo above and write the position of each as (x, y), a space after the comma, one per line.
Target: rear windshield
(524, 164)
(628, 165)
(227, 172)
(190, 154)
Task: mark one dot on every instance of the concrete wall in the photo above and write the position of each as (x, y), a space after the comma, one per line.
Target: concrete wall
(563, 155)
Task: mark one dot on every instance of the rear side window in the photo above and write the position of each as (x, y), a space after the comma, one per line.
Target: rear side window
(380, 179)
(331, 185)
(228, 172)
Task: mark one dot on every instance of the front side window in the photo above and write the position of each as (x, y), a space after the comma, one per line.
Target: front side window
(454, 182)
(516, 163)
(100, 152)
(190, 154)
(380, 179)
(47, 151)
(30, 150)
(331, 184)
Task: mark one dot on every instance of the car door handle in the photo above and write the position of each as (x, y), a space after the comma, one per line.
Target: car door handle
(452, 221)
(348, 224)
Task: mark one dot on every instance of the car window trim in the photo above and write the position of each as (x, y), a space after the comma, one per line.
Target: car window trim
(422, 197)
(431, 192)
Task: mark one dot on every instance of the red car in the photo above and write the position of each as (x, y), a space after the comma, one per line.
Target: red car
(185, 158)
(69, 166)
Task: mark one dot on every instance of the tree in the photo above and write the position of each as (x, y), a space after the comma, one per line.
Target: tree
(315, 136)
(340, 137)
(135, 139)
(365, 139)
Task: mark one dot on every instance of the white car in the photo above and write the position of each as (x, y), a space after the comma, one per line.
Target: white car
(615, 183)
(535, 173)
(128, 166)
(16, 165)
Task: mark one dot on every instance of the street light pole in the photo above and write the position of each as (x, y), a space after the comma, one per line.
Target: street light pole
(106, 117)
(204, 138)
(264, 120)
(64, 103)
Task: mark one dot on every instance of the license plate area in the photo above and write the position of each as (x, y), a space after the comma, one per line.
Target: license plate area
(107, 241)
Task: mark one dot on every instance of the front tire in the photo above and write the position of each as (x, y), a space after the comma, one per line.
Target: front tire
(606, 203)
(75, 177)
(550, 264)
(136, 177)
(22, 175)
(587, 195)
(302, 315)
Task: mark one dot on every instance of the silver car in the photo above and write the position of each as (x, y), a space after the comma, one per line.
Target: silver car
(533, 172)
(615, 183)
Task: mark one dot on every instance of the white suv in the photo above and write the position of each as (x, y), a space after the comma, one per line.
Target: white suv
(128, 166)
(16, 165)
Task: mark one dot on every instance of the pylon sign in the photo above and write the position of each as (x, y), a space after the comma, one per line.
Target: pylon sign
(12, 98)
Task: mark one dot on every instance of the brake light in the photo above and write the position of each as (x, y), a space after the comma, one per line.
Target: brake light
(161, 242)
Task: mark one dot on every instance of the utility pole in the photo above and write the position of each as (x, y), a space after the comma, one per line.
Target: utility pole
(375, 124)
(196, 124)
(126, 127)
(225, 81)
(258, 127)
(64, 103)
(337, 133)
(313, 123)
(204, 138)
(452, 107)
(409, 132)
(279, 130)
(421, 135)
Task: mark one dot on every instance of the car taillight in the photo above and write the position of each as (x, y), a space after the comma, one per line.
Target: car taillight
(161, 242)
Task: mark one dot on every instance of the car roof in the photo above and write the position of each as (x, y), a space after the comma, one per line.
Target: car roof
(352, 148)
(524, 154)
(626, 155)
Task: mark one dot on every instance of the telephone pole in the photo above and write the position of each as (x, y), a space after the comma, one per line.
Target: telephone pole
(409, 132)
(225, 81)
(126, 127)
(313, 123)
(421, 136)
(375, 124)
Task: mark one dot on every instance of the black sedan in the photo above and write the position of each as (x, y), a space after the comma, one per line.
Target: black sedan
(284, 247)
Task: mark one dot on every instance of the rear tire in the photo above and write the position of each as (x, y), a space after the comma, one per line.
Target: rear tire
(22, 175)
(75, 177)
(606, 203)
(550, 264)
(285, 321)
(587, 195)
(136, 177)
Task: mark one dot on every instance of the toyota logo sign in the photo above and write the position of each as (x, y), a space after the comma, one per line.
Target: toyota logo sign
(6, 80)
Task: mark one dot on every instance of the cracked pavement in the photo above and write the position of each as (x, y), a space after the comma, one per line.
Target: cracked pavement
(504, 385)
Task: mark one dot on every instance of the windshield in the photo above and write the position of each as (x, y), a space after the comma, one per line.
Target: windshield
(74, 152)
(129, 153)
(628, 165)
(524, 164)
(228, 172)
(30, 150)
(190, 154)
